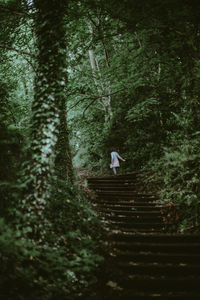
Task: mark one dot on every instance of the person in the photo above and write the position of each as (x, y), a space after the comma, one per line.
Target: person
(115, 160)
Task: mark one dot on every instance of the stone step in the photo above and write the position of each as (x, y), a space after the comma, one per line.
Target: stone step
(115, 177)
(150, 230)
(136, 225)
(134, 219)
(124, 213)
(155, 238)
(111, 179)
(132, 188)
(161, 295)
(160, 284)
(126, 201)
(114, 183)
(157, 257)
(127, 193)
(155, 269)
(158, 247)
(127, 207)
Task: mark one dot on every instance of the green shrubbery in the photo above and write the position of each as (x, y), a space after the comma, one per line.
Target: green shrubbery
(63, 263)
(178, 174)
(45, 271)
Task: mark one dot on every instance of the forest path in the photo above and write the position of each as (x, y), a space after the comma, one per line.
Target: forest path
(144, 261)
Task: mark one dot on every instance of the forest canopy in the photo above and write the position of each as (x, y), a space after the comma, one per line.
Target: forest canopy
(76, 79)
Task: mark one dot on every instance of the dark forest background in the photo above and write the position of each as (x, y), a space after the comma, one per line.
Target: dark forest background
(77, 78)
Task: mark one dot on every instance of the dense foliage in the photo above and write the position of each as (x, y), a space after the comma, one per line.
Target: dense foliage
(49, 233)
(147, 58)
(77, 78)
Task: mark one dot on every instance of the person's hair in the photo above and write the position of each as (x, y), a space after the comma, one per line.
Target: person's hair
(113, 150)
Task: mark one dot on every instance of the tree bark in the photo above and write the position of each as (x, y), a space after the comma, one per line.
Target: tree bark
(97, 77)
(48, 102)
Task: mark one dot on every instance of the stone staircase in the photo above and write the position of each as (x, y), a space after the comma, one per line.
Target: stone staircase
(144, 261)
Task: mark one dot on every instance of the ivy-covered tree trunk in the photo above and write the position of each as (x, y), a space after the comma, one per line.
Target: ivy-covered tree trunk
(63, 161)
(49, 94)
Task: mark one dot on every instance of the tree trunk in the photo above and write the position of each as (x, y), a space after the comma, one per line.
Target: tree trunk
(48, 102)
(63, 161)
(98, 80)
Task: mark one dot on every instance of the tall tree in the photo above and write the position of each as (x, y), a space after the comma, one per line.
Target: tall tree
(102, 86)
(50, 26)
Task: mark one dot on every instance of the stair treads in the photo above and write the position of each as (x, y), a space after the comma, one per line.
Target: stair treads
(160, 238)
(158, 247)
(126, 206)
(124, 213)
(157, 257)
(138, 195)
(134, 202)
(138, 225)
(159, 269)
(144, 218)
(160, 284)
(143, 261)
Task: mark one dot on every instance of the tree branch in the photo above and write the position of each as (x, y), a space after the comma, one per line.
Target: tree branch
(165, 26)
(94, 99)
(16, 12)
(17, 50)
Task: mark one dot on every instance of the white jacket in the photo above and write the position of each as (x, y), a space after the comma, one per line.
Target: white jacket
(115, 160)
